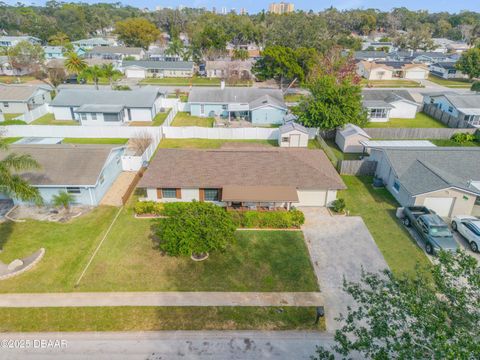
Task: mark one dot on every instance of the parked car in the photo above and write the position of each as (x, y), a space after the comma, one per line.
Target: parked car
(469, 228)
(73, 79)
(432, 229)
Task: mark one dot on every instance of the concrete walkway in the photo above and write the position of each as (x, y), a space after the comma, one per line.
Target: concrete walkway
(162, 299)
(113, 197)
(339, 247)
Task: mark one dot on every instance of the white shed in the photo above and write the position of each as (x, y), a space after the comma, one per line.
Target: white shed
(350, 138)
(292, 135)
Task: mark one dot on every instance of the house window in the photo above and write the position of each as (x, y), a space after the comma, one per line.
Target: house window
(83, 116)
(211, 194)
(285, 139)
(450, 109)
(169, 193)
(378, 113)
(6, 105)
(396, 186)
(73, 190)
(202, 109)
(94, 116)
(224, 107)
(102, 180)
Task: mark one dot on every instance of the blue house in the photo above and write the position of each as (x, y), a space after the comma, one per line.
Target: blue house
(462, 106)
(259, 106)
(54, 52)
(85, 171)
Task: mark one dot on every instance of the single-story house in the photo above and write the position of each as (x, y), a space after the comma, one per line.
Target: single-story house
(260, 106)
(349, 139)
(89, 44)
(85, 171)
(293, 135)
(107, 107)
(369, 55)
(116, 52)
(462, 106)
(157, 53)
(226, 69)
(253, 49)
(418, 57)
(441, 178)
(447, 70)
(10, 41)
(243, 177)
(148, 68)
(385, 104)
(378, 45)
(391, 70)
(19, 99)
(54, 52)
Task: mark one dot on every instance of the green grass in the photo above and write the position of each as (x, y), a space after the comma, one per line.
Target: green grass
(49, 119)
(377, 208)
(158, 120)
(130, 261)
(456, 83)
(339, 154)
(390, 83)
(10, 117)
(183, 97)
(448, 142)
(11, 140)
(15, 79)
(421, 120)
(157, 318)
(113, 141)
(12, 122)
(293, 97)
(185, 119)
(208, 143)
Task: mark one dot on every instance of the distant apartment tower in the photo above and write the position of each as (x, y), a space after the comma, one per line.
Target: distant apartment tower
(281, 8)
(243, 11)
(224, 10)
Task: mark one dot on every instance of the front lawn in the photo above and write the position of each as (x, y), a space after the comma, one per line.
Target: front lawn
(134, 318)
(208, 143)
(185, 119)
(113, 141)
(421, 120)
(377, 208)
(454, 83)
(49, 119)
(390, 83)
(15, 79)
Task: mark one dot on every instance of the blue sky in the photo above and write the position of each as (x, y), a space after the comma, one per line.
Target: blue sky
(255, 5)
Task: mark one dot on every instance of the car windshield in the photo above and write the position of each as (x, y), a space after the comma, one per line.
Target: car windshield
(440, 231)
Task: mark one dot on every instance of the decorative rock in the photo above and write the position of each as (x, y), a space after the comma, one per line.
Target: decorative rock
(15, 264)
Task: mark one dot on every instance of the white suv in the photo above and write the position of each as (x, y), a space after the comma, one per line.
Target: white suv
(469, 227)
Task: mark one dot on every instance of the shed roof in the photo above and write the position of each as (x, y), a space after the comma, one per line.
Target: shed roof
(290, 126)
(351, 129)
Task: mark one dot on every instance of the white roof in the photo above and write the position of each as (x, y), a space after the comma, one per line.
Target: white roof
(351, 129)
(397, 143)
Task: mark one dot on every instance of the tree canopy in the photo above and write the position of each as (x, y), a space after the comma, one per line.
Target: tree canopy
(25, 55)
(469, 63)
(137, 32)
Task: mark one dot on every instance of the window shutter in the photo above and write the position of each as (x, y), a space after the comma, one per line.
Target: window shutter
(201, 194)
(178, 193)
(220, 194)
(159, 193)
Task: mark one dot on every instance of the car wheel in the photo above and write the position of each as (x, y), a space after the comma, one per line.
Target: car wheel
(454, 226)
(474, 246)
(406, 222)
(429, 249)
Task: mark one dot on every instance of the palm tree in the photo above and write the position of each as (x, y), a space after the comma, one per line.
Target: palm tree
(74, 63)
(63, 199)
(94, 73)
(109, 72)
(175, 48)
(10, 182)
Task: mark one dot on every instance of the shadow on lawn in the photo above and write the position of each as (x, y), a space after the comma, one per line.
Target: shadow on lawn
(6, 230)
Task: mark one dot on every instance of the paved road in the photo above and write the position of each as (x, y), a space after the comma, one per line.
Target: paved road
(339, 246)
(213, 345)
(170, 298)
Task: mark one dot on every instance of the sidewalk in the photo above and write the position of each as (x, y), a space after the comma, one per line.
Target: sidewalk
(161, 299)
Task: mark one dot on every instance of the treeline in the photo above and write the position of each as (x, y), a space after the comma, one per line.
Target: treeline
(207, 30)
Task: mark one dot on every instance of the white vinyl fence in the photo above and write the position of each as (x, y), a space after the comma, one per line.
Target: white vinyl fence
(134, 162)
(34, 114)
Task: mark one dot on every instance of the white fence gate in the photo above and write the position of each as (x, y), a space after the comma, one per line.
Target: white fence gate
(34, 114)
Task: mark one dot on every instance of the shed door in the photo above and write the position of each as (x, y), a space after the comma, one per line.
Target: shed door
(295, 140)
(440, 205)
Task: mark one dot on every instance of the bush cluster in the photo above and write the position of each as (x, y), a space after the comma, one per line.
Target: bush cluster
(463, 137)
(291, 219)
(148, 207)
(338, 205)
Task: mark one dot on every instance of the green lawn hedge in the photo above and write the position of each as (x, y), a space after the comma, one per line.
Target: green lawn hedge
(148, 208)
(291, 219)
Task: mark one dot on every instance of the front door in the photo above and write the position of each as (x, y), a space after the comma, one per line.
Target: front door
(295, 140)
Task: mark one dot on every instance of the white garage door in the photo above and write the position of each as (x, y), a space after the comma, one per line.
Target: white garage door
(131, 73)
(440, 205)
(415, 75)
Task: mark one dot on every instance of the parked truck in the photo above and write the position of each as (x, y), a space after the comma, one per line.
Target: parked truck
(433, 231)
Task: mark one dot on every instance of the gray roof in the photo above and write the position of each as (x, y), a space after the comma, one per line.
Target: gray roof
(394, 64)
(138, 98)
(464, 101)
(367, 54)
(163, 65)
(351, 129)
(254, 97)
(91, 108)
(423, 170)
(19, 92)
(448, 65)
(383, 98)
(64, 164)
(292, 126)
(116, 50)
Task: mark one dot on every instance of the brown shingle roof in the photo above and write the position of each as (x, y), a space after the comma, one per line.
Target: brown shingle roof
(301, 168)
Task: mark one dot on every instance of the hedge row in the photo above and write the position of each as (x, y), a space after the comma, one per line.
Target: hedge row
(148, 208)
(291, 219)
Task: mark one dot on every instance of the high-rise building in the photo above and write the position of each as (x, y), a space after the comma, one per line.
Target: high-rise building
(243, 11)
(281, 8)
(224, 10)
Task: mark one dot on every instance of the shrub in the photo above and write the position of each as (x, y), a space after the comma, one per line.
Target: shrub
(463, 137)
(148, 207)
(338, 205)
(268, 219)
(194, 228)
(476, 86)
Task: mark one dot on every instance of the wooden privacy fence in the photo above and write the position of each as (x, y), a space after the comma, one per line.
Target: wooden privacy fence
(442, 116)
(132, 185)
(362, 167)
(414, 133)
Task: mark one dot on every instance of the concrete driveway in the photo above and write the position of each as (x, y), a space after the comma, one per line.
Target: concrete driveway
(339, 246)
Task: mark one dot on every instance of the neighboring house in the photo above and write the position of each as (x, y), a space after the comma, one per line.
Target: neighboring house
(385, 104)
(116, 52)
(378, 45)
(253, 49)
(89, 44)
(293, 135)
(157, 53)
(19, 99)
(259, 106)
(464, 106)
(84, 171)
(9, 41)
(442, 44)
(370, 55)
(441, 178)
(418, 57)
(447, 70)
(250, 177)
(8, 70)
(160, 69)
(226, 69)
(458, 47)
(54, 52)
(349, 139)
(391, 70)
(107, 107)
